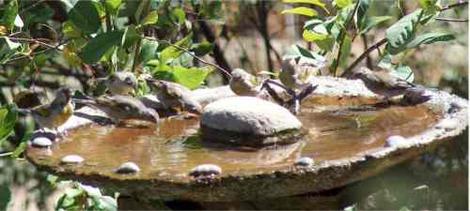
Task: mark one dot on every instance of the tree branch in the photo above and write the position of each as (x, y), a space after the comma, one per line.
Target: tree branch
(364, 55)
(458, 4)
(451, 20)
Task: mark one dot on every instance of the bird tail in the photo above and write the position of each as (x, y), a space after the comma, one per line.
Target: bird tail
(416, 95)
(84, 101)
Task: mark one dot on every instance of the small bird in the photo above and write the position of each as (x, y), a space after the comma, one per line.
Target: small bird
(295, 75)
(387, 85)
(174, 97)
(121, 83)
(120, 108)
(243, 83)
(57, 112)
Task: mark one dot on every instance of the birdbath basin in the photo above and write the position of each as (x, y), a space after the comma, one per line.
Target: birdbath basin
(346, 137)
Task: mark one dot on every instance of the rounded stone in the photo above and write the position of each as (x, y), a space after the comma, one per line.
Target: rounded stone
(72, 159)
(41, 142)
(205, 170)
(248, 115)
(304, 162)
(128, 168)
(395, 141)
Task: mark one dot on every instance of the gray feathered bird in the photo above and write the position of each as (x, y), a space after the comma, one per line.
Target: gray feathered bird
(387, 85)
(120, 108)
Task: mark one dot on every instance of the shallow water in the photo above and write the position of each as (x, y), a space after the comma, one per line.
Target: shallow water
(172, 149)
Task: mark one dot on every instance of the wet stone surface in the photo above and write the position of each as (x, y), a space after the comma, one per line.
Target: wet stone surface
(41, 142)
(127, 168)
(227, 118)
(72, 159)
(304, 162)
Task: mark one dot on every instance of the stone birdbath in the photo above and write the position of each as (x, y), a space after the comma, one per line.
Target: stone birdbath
(346, 139)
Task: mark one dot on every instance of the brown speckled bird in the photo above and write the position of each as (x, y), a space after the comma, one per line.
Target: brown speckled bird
(387, 85)
(174, 96)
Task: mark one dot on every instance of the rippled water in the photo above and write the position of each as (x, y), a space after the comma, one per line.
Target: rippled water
(173, 147)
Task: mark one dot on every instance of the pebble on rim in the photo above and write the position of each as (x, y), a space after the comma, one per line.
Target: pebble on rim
(128, 168)
(72, 159)
(247, 116)
(41, 142)
(396, 141)
(205, 170)
(304, 162)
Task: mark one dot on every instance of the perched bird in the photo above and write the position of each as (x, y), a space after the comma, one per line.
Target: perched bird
(295, 75)
(243, 83)
(121, 83)
(174, 97)
(57, 112)
(120, 108)
(387, 85)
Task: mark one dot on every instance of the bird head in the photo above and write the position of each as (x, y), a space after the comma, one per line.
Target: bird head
(361, 73)
(155, 85)
(149, 115)
(121, 82)
(63, 96)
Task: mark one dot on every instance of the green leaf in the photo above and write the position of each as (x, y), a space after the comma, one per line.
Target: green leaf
(148, 50)
(190, 77)
(361, 13)
(113, 5)
(371, 22)
(171, 52)
(179, 15)
(8, 115)
(8, 13)
(5, 196)
(85, 16)
(342, 3)
(203, 48)
(312, 36)
(404, 72)
(428, 4)
(345, 51)
(402, 32)
(313, 2)
(151, 18)
(315, 33)
(8, 49)
(301, 11)
(429, 38)
(98, 46)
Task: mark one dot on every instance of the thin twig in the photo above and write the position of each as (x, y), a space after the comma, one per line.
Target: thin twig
(6, 154)
(458, 4)
(364, 55)
(22, 39)
(451, 20)
(224, 71)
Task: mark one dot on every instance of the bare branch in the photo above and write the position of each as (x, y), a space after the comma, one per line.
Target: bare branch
(451, 20)
(363, 56)
(458, 4)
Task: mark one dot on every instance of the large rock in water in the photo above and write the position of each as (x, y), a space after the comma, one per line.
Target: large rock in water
(249, 121)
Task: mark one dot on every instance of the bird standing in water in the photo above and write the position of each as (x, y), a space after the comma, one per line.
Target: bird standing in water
(174, 97)
(387, 85)
(120, 108)
(295, 75)
(56, 113)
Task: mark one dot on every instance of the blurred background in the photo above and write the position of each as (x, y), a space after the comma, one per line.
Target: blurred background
(254, 35)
